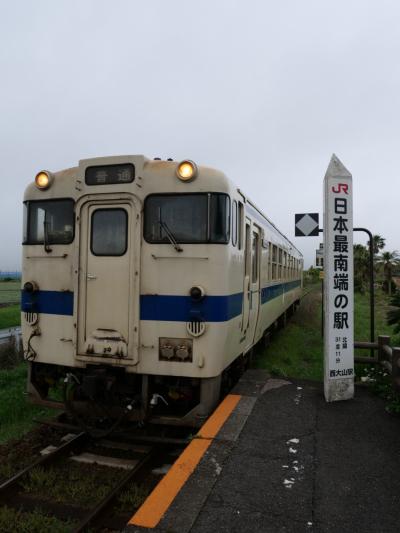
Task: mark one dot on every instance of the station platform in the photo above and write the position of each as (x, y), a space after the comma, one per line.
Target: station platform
(275, 457)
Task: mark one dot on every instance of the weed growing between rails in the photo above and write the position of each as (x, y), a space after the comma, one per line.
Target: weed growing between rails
(12, 520)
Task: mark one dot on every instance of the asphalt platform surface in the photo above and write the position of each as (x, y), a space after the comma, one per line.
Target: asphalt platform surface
(286, 461)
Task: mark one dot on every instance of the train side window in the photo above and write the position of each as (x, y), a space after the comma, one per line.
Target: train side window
(274, 261)
(109, 235)
(254, 258)
(240, 225)
(279, 263)
(270, 261)
(25, 223)
(234, 223)
(284, 265)
(247, 254)
(220, 218)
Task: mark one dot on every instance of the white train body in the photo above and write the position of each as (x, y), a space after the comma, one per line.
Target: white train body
(108, 270)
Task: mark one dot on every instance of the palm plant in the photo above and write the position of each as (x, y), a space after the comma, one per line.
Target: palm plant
(389, 261)
(378, 243)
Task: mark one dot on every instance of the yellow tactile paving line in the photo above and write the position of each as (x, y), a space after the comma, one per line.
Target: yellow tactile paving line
(158, 502)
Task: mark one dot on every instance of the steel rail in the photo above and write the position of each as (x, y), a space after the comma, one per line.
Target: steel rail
(124, 434)
(45, 459)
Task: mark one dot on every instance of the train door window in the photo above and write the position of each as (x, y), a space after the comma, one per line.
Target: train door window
(234, 223)
(254, 258)
(284, 265)
(240, 225)
(109, 234)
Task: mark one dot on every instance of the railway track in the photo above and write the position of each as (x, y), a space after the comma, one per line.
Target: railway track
(148, 452)
(6, 335)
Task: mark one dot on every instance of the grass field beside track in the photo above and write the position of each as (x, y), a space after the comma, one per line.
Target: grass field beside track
(297, 350)
(10, 292)
(10, 316)
(16, 414)
(10, 296)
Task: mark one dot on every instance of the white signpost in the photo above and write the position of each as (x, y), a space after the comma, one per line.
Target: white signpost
(338, 283)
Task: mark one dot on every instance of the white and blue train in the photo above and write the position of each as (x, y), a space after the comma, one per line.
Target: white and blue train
(145, 284)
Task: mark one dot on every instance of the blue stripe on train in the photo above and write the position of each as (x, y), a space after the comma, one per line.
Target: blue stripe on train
(159, 307)
(182, 308)
(49, 302)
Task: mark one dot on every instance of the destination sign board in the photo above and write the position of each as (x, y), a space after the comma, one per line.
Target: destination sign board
(110, 174)
(338, 283)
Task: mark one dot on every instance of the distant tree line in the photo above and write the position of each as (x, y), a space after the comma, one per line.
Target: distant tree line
(386, 266)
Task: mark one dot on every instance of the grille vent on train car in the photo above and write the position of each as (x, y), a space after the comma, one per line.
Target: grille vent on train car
(196, 328)
(31, 318)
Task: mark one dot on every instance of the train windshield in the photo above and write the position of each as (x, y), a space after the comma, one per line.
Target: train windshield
(49, 220)
(188, 218)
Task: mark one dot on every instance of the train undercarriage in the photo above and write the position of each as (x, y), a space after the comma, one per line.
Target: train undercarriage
(106, 396)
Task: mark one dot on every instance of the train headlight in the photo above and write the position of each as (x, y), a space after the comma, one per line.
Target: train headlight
(43, 180)
(197, 293)
(187, 170)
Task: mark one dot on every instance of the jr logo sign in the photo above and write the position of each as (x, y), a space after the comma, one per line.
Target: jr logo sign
(341, 187)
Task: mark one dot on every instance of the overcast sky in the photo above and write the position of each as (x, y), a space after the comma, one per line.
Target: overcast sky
(264, 90)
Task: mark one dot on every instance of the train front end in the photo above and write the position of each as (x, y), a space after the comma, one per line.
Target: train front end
(124, 274)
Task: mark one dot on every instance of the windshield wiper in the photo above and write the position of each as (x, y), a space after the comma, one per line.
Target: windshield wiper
(170, 236)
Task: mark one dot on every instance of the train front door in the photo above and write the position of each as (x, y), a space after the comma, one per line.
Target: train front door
(251, 296)
(107, 310)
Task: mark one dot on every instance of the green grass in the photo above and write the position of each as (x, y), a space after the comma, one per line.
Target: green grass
(72, 483)
(297, 350)
(12, 521)
(16, 414)
(362, 315)
(10, 291)
(10, 316)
